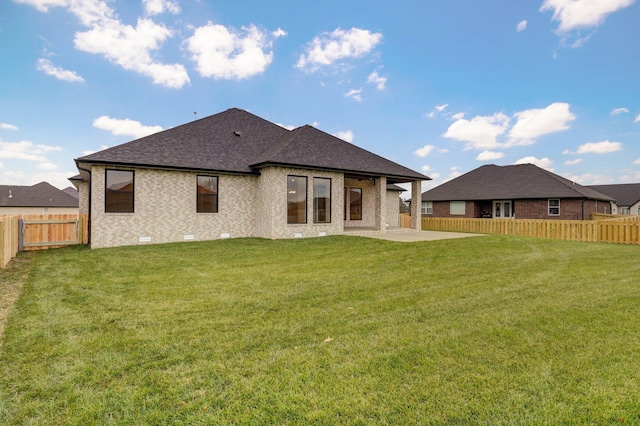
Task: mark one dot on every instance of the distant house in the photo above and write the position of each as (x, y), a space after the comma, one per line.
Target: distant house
(522, 191)
(626, 195)
(41, 198)
(234, 174)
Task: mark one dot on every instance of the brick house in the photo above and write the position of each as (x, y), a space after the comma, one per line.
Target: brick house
(522, 191)
(627, 196)
(234, 174)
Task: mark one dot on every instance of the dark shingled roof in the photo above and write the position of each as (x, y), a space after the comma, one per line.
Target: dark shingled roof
(522, 181)
(625, 194)
(236, 141)
(40, 195)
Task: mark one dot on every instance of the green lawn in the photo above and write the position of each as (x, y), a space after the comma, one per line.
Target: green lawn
(334, 330)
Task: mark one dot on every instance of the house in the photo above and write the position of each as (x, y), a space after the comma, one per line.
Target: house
(626, 195)
(42, 198)
(234, 174)
(524, 191)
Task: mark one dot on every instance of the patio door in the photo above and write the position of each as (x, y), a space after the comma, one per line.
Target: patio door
(502, 209)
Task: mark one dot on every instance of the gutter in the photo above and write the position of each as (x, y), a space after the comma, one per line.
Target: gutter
(89, 201)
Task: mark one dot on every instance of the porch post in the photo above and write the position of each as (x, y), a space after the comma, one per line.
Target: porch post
(416, 204)
(381, 200)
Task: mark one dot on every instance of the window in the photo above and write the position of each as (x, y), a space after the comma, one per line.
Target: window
(207, 194)
(554, 207)
(355, 203)
(119, 191)
(427, 207)
(321, 200)
(296, 199)
(457, 207)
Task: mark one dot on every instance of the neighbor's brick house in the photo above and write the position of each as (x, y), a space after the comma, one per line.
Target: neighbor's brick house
(41, 198)
(234, 174)
(522, 191)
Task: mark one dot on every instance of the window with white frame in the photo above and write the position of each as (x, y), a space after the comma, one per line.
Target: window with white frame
(554, 207)
(457, 207)
(427, 207)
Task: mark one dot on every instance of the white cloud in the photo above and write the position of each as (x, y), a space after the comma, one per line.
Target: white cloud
(637, 161)
(329, 48)
(580, 14)
(637, 120)
(604, 147)
(131, 48)
(442, 107)
(481, 132)
(573, 162)
(589, 179)
(379, 81)
(354, 94)
(425, 169)
(279, 33)
(25, 150)
(424, 151)
(522, 25)
(544, 163)
(533, 123)
(47, 166)
(48, 68)
(345, 135)
(223, 53)
(124, 127)
(458, 116)
(156, 7)
(127, 46)
(7, 126)
(489, 155)
(618, 111)
(288, 127)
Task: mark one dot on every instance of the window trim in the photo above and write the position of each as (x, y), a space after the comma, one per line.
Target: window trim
(315, 206)
(133, 190)
(553, 207)
(426, 207)
(306, 199)
(456, 212)
(198, 195)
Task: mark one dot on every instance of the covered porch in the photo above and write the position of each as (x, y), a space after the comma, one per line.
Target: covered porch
(369, 204)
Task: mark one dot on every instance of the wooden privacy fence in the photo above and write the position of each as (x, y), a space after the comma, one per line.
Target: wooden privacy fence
(39, 232)
(618, 230)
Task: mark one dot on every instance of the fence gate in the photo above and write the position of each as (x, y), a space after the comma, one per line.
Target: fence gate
(37, 234)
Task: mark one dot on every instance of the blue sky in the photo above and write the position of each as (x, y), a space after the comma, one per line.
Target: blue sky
(440, 87)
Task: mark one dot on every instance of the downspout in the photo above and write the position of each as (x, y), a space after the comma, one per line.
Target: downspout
(583, 208)
(89, 209)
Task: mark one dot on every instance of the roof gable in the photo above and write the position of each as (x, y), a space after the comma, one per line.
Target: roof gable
(522, 181)
(236, 141)
(42, 194)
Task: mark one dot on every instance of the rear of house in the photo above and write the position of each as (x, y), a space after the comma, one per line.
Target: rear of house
(235, 175)
(522, 191)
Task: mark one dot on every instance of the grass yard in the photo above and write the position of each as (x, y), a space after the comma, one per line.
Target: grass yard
(335, 330)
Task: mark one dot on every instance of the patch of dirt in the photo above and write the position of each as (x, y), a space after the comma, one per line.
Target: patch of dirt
(11, 281)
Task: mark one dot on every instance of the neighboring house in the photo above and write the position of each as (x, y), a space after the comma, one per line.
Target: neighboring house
(41, 198)
(234, 174)
(627, 196)
(522, 191)
(71, 191)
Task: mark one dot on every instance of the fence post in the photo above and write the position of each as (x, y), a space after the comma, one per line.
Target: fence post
(20, 234)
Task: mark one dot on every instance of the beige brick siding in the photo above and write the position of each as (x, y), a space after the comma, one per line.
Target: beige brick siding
(368, 203)
(273, 202)
(165, 209)
(248, 206)
(393, 208)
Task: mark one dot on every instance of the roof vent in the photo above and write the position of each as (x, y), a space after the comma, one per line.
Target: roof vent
(237, 133)
(10, 195)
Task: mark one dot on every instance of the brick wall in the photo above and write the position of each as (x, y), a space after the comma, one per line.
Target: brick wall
(570, 209)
